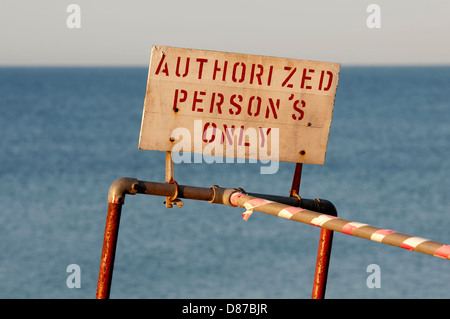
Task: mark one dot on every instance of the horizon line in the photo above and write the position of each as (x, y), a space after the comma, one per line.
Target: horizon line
(93, 65)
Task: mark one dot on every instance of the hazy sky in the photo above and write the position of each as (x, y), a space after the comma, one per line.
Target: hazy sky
(123, 32)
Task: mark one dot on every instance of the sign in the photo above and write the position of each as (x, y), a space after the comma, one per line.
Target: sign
(238, 105)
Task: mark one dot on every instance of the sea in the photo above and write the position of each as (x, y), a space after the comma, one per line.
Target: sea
(68, 133)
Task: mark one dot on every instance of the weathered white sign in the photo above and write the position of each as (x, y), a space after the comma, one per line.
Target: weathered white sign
(238, 105)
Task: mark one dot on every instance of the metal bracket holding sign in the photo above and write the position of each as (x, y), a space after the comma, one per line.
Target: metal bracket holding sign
(170, 178)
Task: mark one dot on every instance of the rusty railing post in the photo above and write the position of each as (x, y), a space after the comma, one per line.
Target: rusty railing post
(108, 251)
(325, 241)
(116, 198)
(322, 264)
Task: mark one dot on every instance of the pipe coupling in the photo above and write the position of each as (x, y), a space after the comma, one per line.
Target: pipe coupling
(223, 195)
(121, 187)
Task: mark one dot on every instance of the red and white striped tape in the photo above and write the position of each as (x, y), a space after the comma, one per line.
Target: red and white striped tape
(385, 236)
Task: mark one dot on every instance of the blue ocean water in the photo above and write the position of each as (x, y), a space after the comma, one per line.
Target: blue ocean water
(68, 133)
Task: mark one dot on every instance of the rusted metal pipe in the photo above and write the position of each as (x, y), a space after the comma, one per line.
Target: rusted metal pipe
(323, 253)
(214, 194)
(132, 186)
(295, 188)
(108, 251)
(322, 264)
